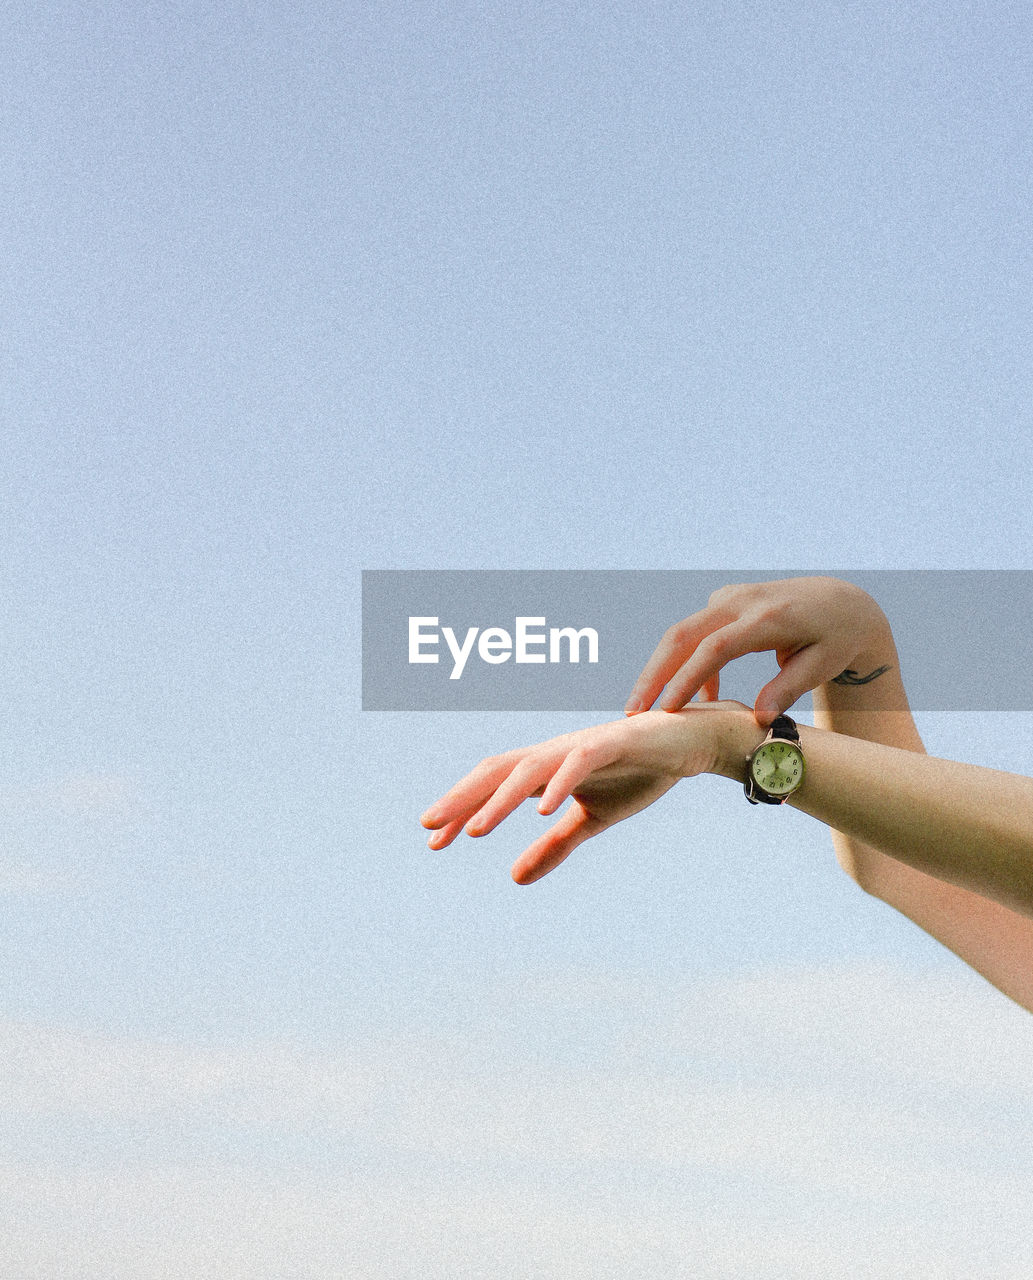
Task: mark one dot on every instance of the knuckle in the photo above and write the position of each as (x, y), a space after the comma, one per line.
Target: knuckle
(526, 769)
(715, 647)
(489, 765)
(676, 635)
(772, 613)
(731, 593)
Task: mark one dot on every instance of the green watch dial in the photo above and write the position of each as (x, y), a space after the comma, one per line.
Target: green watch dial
(777, 767)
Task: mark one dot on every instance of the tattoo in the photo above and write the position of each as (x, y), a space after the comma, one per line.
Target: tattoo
(850, 676)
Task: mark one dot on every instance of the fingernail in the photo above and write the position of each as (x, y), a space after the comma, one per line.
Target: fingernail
(632, 705)
(429, 819)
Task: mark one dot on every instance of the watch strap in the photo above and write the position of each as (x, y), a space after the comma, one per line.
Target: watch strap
(756, 796)
(785, 728)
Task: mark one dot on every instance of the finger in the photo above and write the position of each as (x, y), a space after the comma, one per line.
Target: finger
(444, 836)
(469, 793)
(558, 843)
(575, 768)
(712, 689)
(804, 671)
(527, 778)
(676, 645)
(711, 654)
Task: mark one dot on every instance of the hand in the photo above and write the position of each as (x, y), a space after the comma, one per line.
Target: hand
(817, 627)
(611, 771)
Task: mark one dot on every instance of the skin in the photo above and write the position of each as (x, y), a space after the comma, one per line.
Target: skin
(950, 845)
(611, 770)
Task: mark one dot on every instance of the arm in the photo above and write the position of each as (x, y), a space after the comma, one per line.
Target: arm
(831, 637)
(994, 939)
(978, 843)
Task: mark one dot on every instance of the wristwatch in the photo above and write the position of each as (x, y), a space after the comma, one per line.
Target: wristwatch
(776, 768)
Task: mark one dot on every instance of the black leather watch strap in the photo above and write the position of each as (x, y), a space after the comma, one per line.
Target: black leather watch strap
(783, 727)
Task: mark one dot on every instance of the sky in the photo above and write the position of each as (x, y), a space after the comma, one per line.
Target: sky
(296, 290)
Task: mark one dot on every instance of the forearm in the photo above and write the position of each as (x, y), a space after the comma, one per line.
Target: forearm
(869, 702)
(949, 845)
(995, 939)
(959, 823)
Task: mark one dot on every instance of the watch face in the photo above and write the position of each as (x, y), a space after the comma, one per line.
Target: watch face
(777, 767)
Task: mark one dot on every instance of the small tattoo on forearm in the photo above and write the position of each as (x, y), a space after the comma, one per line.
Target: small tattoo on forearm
(850, 676)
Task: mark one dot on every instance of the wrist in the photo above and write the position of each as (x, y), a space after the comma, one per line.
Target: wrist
(870, 684)
(736, 735)
(875, 652)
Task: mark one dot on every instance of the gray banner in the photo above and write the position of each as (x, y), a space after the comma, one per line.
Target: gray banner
(574, 640)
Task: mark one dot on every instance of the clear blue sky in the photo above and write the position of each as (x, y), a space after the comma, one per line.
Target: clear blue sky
(293, 290)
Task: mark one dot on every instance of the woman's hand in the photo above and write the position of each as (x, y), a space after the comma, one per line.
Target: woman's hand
(818, 628)
(610, 770)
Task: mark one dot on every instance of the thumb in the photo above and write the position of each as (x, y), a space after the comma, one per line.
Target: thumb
(804, 671)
